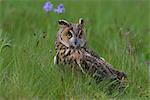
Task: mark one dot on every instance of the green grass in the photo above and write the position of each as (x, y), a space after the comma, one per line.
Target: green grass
(117, 30)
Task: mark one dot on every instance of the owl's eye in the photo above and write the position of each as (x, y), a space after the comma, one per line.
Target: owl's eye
(80, 33)
(69, 34)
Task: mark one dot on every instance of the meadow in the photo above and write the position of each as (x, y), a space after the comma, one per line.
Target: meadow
(118, 30)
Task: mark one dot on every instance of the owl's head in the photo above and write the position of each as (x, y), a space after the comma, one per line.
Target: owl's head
(72, 34)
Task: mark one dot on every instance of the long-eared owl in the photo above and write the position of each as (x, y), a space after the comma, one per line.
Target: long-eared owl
(72, 49)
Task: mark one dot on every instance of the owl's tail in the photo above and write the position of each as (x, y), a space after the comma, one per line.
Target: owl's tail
(120, 75)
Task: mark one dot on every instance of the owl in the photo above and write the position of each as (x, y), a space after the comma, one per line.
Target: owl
(72, 50)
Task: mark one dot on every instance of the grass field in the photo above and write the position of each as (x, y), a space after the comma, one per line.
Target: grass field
(117, 30)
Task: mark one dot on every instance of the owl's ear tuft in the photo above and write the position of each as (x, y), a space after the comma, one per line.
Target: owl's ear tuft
(81, 21)
(63, 23)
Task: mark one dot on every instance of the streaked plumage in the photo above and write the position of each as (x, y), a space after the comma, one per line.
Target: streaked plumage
(72, 50)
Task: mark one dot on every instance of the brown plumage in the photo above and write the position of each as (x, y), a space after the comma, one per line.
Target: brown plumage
(72, 50)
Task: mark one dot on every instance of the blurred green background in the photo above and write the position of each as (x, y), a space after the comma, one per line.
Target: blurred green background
(118, 30)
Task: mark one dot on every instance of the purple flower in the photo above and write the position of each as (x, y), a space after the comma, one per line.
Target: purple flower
(48, 6)
(60, 9)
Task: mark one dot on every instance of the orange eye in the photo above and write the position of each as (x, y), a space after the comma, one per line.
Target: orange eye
(80, 33)
(69, 34)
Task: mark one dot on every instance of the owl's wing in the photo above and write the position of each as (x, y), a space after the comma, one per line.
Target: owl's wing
(94, 54)
(98, 67)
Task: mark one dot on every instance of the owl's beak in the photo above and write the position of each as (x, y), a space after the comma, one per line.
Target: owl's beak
(76, 43)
